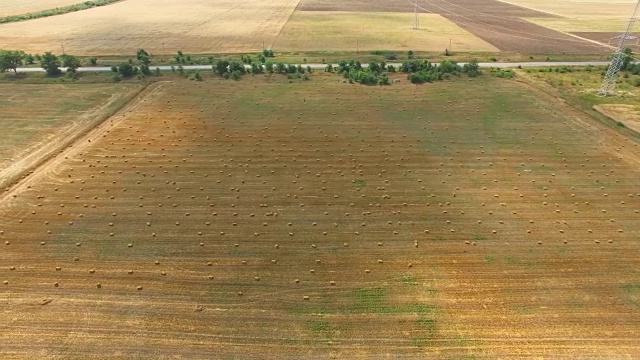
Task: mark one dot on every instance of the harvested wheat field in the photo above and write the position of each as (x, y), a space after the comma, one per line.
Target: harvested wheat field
(41, 119)
(269, 219)
(350, 31)
(199, 26)
(28, 6)
(580, 8)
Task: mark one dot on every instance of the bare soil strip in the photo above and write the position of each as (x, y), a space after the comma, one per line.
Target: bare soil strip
(626, 114)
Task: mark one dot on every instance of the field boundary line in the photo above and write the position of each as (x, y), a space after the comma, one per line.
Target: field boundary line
(52, 12)
(80, 139)
(534, 9)
(275, 40)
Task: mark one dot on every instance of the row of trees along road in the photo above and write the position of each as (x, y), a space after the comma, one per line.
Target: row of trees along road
(10, 60)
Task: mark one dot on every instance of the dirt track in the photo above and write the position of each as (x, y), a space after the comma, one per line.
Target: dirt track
(71, 140)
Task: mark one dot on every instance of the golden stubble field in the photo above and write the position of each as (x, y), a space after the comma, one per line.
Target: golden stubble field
(263, 218)
(27, 6)
(42, 118)
(591, 9)
(351, 31)
(197, 26)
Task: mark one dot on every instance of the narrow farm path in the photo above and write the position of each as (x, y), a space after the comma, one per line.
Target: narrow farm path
(43, 162)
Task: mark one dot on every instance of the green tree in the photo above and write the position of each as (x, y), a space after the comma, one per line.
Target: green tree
(410, 54)
(268, 53)
(472, 68)
(222, 67)
(269, 67)
(29, 59)
(93, 61)
(144, 58)
(236, 75)
(127, 70)
(71, 62)
(50, 63)
(375, 67)
(10, 60)
(235, 66)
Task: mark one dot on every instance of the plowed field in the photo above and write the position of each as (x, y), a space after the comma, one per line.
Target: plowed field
(268, 219)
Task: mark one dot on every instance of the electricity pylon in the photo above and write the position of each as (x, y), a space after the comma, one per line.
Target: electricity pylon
(416, 20)
(618, 58)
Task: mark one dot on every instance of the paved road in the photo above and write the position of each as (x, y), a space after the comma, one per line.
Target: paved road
(322, 66)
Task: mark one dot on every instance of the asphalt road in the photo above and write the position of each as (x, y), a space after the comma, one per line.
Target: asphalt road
(322, 66)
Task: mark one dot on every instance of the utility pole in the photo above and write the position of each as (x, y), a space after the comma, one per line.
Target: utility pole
(358, 45)
(416, 19)
(618, 58)
(62, 46)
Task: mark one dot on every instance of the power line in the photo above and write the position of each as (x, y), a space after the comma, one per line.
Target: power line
(618, 58)
(416, 20)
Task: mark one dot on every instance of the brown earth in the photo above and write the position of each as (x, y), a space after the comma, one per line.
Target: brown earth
(629, 115)
(416, 225)
(608, 38)
(478, 7)
(498, 23)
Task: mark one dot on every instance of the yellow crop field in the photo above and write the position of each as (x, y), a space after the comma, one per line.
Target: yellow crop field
(197, 26)
(580, 8)
(26, 6)
(315, 31)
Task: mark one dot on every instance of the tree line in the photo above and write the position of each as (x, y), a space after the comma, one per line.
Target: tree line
(10, 60)
(376, 73)
(418, 72)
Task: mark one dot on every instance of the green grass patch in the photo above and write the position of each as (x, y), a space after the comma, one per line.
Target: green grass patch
(374, 301)
(631, 288)
(318, 325)
(360, 183)
(428, 324)
(410, 280)
(490, 259)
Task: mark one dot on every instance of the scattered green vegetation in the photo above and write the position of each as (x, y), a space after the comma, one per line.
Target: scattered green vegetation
(632, 288)
(410, 280)
(502, 73)
(360, 183)
(374, 301)
(490, 259)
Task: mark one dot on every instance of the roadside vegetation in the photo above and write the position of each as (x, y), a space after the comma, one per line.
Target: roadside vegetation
(375, 73)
